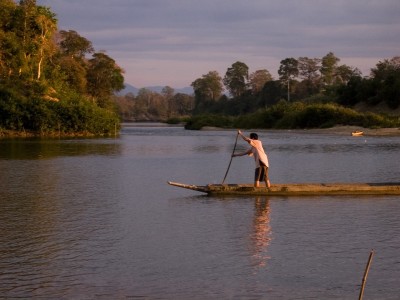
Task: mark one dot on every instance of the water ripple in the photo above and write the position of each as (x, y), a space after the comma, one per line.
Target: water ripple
(95, 219)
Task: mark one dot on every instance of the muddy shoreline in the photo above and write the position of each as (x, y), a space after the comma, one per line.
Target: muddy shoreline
(339, 130)
(347, 130)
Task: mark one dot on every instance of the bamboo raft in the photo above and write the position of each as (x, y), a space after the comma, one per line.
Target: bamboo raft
(296, 189)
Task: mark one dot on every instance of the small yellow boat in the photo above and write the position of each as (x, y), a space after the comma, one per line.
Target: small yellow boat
(357, 133)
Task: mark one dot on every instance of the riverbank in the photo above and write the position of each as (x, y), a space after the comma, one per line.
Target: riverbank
(347, 130)
(339, 130)
(32, 134)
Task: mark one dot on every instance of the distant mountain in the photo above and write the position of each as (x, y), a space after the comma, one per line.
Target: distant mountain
(157, 89)
(128, 89)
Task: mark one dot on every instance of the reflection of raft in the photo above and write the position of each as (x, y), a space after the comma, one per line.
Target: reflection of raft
(297, 189)
(357, 133)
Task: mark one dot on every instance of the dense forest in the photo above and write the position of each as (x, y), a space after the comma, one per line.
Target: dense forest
(309, 93)
(52, 82)
(148, 105)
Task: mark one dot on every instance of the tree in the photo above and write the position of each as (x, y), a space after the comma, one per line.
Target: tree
(125, 106)
(9, 43)
(182, 104)
(208, 88)
(344, 73)
(74, 45)
(168, 93)
(309, 68)
(288, 70)
(309, 72)
(236, 78)
(383, 86)
(328, 68)
(74, 73)
(271, 93)
(104, 77)
(349, 93)
(33, 27)
(6, 9)
(258, 79)
(385, 68)
(386, 77)
(26, 33)
(33, 68)
(24, 27)
(47, 24)
(150, 105)
(73, 48)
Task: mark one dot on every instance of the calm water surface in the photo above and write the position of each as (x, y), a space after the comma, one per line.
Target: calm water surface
(95, 219)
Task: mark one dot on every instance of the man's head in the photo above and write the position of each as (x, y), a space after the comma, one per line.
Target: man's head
(254, 136)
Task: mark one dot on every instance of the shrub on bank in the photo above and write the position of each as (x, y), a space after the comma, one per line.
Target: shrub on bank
(200, 121)
(43, 117)
(178, 120)
(296, 115)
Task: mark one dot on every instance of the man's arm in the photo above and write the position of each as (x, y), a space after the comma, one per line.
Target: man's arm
(242, 153)
(248, 152)
(243, 136)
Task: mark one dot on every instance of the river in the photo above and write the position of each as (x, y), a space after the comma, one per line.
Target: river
(95, 218)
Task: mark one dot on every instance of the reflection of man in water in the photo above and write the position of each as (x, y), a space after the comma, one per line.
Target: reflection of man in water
(260, 158)
(261, 236)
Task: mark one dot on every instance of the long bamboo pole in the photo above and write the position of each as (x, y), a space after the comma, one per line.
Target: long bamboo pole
(233, 152)
(364, 280)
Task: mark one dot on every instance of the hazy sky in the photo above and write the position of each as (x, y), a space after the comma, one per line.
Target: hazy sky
(174, 42)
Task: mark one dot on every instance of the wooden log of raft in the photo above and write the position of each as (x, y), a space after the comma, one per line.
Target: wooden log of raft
(297, 189)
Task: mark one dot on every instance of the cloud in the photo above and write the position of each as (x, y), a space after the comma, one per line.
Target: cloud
(173, 42)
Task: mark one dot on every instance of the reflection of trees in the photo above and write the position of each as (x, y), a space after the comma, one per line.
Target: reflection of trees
(261, 235)
(47, 149)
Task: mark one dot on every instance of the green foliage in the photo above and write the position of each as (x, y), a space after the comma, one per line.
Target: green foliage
(383, 86)
(236, 78)
(178, 120)
(48, 87)
(104, 77)
(54, 118)
(315, 83)
(296, 115)
(300, 115)
(288, 69)
(329, 66)
(387, 79)
(11, 112)
(258, 79)
(74, 45)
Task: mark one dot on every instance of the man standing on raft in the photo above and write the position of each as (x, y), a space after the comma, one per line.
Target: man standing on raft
(260, 158)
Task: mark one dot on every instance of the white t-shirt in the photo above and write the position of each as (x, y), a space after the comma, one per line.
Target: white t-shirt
(257, 151)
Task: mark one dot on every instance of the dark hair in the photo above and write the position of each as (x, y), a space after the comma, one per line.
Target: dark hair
(254, 136)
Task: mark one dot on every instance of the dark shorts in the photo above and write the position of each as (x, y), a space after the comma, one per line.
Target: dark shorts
(261, 174)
